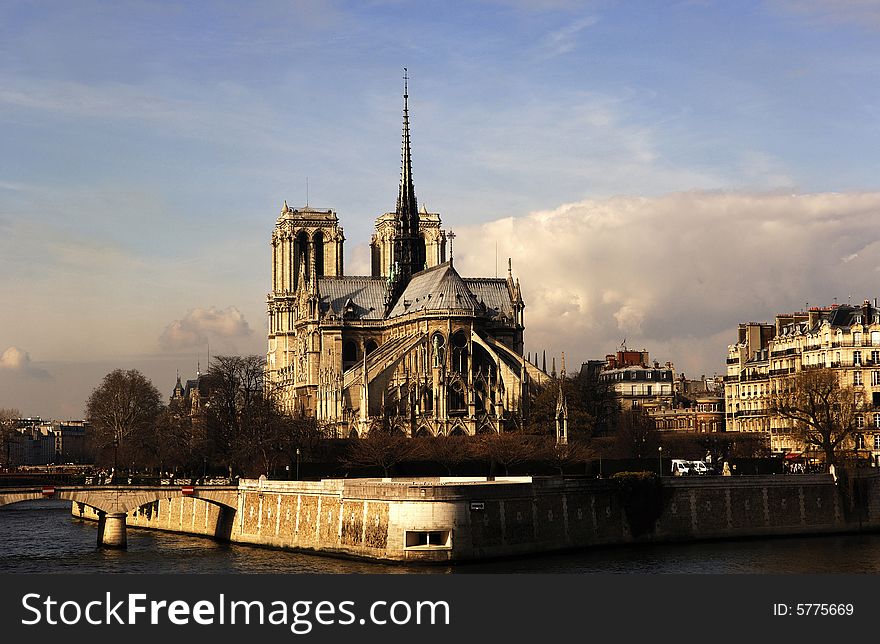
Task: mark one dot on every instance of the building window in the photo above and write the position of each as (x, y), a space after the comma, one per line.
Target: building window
(875, 378)
(857, 357)
(860, 441)
(860, 422)
(857, 377)
(857, 338)
(877, 420)
(876, 441)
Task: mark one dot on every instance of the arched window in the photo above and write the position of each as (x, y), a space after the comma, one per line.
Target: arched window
(318, 240)
(370, 346)
(459, 352)
(457, 401)
(301, 257)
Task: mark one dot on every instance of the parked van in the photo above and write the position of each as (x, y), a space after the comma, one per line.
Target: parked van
(680, 467)
(699, 467)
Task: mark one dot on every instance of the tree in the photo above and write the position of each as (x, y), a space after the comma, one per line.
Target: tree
(179, 439)
(592, 405)
(635, 434)
(562, 456)
(382, 448)
(508, 449)
(246, 428)
(8, 416)
(122, 412)
(822, 411)
(447, 451)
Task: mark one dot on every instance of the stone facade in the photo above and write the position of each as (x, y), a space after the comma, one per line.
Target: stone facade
(844, 338)
(414, 347)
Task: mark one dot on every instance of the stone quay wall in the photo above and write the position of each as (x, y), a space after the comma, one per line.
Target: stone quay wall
(444, 520)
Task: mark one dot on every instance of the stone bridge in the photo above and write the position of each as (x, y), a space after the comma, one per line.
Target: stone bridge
(112, 502)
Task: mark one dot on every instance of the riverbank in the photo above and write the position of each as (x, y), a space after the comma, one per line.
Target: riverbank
(444, 520)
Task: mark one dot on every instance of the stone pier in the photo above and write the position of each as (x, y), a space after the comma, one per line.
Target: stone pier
(111, 530)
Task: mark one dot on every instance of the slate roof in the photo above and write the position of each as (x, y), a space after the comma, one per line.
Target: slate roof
(367, 295)
(439, 288)
(491, 291)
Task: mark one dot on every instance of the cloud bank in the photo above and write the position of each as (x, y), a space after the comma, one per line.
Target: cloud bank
(18, 361)
(200, 326)
(675, 274)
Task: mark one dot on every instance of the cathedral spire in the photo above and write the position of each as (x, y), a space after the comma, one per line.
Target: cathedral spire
(406, 197)
(408, 253)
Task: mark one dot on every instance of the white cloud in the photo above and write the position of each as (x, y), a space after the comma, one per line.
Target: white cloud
(675, 274)
(564, 40)
(199, 326)
(19, 361)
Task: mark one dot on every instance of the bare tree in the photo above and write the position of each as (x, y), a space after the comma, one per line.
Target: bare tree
(245, 425)
(8, 416)
(508, 449)
(122, 412)
(822, 411)
(635, 434)
(567, 455)
(447, 451)
(381, 448)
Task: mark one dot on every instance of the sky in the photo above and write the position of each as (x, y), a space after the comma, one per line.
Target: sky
(659, 172)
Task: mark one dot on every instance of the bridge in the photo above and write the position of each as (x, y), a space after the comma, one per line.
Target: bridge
(112, 502)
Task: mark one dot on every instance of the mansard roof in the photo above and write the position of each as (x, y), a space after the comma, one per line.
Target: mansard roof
(439, 288)
(364, 296)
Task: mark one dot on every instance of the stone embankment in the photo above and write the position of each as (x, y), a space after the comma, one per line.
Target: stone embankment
(456, 519)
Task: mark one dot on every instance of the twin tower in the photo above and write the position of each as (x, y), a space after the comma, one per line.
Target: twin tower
(414, 348)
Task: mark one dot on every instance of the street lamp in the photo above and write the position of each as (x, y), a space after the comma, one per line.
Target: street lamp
(115, 452)
(297, 463)
(660, 460)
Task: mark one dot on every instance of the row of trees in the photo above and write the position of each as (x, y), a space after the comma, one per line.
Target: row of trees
(239, 428)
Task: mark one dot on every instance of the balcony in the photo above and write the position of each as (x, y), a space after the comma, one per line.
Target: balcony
(750, 413)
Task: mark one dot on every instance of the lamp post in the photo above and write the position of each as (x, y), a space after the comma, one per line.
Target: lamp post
(297, 463)
(660, 461)
(115, 452)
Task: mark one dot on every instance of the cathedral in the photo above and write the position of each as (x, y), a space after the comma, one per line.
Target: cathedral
(414, 347)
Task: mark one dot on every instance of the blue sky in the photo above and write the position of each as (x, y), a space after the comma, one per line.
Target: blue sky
(147, 148)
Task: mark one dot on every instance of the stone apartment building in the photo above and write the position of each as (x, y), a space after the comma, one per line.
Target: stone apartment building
(673, 402)
(845, 338)
(414, 347)
(35, 441)
(637, 382)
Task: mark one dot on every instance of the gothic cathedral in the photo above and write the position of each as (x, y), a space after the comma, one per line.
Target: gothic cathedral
(414, 348)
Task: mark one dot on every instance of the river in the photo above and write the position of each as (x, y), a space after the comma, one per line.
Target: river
(42, 537)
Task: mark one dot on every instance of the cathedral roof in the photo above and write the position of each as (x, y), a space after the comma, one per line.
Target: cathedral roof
(493, 293)
(360, 297)
(439, 288)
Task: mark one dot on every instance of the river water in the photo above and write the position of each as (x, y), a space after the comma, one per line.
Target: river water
(42, 537)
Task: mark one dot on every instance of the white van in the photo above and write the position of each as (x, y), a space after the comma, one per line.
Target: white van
(699, 467)
(680, 467)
